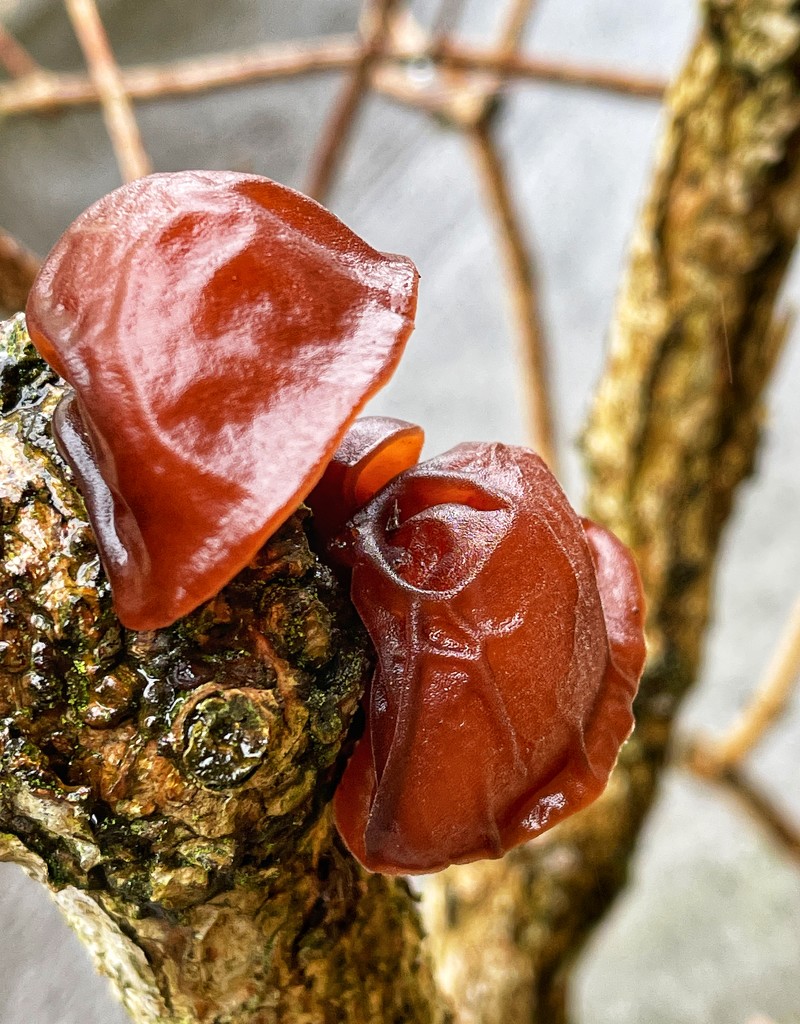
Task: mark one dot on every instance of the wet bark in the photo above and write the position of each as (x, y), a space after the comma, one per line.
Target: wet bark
(674, 431)
(171, 788)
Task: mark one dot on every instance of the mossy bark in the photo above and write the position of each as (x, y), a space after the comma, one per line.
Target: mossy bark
(674, 431)
(172, 787)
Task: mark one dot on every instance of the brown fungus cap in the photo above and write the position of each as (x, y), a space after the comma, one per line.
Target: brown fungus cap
(509, 641)
(221, 332)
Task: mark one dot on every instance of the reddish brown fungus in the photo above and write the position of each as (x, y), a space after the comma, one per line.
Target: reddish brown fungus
(220, 332)
(509, 636)
(373, 452)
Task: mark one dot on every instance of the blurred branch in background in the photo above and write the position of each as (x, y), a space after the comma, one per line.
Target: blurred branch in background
(18, 268)
(721, 762)
(769, 701)
(515, 249)
(523, 292)
(670, 439)
(764, 812)
(14, 57)
(375, 25)
(48, 91)
(117, 107)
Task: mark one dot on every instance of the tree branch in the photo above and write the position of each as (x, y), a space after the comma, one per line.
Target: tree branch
(674, 430)
(734, 783)
(336, 133)
(14, 57)
(47, 92)
(523, 293)
(105, 74)
(18, 268)
(767, 704)
(171, 787)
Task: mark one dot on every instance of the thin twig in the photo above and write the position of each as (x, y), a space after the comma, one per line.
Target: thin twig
(452, 97)
(186, 77)
(14, 57)
(470, 105)
(336, 133)
(516, 18)
(47, 92)
(761, 808)
(522, 277)
(479, 97)
(522, 281)
(18, 268)
(104, 72)
(511, 66)
(769, 701)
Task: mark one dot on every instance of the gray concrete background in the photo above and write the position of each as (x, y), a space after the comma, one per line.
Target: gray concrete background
(709, 931)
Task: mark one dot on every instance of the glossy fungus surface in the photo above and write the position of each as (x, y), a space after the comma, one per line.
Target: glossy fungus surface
(220, 332)
(509, 637)
(373, 452)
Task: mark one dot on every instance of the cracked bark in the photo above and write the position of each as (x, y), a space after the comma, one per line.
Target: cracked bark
(171, 788)
(674, 431)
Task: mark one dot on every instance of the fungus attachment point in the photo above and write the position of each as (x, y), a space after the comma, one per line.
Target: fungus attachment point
(220, 332)
(510, 642)
(374, 451)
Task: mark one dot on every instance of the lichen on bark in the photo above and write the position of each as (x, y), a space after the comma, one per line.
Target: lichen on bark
(172, 787)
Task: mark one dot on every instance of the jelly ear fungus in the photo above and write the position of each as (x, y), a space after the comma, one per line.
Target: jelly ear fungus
(220, 332)
(509, 636)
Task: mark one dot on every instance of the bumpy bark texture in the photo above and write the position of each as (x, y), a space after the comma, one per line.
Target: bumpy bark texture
(171, 787)
(674, 431)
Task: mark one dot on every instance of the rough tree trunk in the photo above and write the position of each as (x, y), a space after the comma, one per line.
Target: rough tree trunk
(674, 431)
(171, 787)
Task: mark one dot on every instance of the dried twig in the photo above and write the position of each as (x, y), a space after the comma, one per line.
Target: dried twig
(720, 763)
(734, 782)
(516, 18)
(336, 133)
(768, 703)
(518, 258)
(117, 108)
(18, 268)
(470, 105)
(523, 292)
(517, 66)
(14, 57)
(50, 92)
(213, 71)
